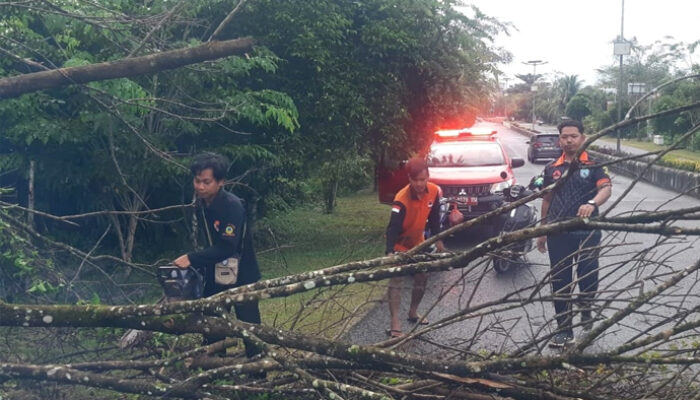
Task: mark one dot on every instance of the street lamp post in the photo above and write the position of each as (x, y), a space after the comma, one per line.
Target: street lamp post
(533, 88)
(622, 48)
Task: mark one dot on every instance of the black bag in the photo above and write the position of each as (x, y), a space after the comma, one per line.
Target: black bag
(180, 284)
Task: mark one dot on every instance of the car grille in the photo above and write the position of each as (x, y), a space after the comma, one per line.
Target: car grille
(465, 190)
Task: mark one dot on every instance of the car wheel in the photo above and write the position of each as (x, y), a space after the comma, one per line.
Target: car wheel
(501, 265)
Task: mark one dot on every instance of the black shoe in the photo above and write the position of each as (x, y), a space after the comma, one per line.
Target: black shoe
(562, 339)
(586, 321)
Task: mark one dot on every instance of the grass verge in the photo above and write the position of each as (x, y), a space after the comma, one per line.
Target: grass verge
(307, 239)
(680, 155)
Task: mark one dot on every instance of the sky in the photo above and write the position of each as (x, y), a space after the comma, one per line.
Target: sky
(575, 36)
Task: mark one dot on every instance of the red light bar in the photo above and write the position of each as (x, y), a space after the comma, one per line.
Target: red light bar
(447, 134)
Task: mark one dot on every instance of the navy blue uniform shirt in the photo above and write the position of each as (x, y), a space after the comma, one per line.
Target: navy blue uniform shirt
(578, 188)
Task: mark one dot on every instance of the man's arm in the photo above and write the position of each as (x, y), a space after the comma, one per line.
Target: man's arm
(603, 192)
(398, 213)
(546, 201)
(434, 222)
(226, 244)
(542, 240)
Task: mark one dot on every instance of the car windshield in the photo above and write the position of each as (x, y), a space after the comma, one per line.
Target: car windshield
(471, 154)
(551, 140)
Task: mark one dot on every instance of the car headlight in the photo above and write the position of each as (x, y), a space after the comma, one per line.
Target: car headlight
(498, 187)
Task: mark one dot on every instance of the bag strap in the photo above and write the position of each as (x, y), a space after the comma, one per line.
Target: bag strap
(211, 243)
(206, 226)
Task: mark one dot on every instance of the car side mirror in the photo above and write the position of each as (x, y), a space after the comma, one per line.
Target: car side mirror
(517, 162)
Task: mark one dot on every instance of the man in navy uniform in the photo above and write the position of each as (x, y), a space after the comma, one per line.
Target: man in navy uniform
(585, 189)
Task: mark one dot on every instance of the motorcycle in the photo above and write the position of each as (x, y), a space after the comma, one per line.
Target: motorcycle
(520, 217)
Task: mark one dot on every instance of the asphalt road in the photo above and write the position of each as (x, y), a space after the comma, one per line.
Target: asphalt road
(628, 261)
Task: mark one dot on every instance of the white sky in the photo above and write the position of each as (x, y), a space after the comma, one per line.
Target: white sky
(575, 36)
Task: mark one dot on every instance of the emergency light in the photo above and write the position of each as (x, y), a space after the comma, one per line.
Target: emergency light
(456, 134)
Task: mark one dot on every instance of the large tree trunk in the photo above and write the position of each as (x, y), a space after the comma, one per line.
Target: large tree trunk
(17, 85)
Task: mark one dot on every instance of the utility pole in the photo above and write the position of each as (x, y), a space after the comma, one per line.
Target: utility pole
(533, 88)
(622, 48)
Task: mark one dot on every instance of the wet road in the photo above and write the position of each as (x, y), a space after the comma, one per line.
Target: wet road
(627, 261)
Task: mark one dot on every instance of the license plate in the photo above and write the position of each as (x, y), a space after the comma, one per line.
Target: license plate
(468, 200)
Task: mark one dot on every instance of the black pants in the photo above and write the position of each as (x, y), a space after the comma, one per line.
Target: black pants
(565, 251)
(246, 312)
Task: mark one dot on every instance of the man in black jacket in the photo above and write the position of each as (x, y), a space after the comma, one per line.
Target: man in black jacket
(228, 236)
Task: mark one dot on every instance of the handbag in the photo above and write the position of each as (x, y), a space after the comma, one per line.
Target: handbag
(225, 271)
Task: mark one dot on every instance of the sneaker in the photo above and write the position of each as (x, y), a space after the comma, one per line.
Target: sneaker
(586, 321)
(562, 339)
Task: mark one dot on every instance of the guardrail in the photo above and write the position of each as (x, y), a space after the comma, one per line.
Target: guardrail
(680, 181)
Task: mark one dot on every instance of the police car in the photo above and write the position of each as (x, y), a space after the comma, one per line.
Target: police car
(471, 167)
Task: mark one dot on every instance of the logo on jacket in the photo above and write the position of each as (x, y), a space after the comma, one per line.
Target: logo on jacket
(556, 174)
(584, 173)
(216, 225)
(230, 230)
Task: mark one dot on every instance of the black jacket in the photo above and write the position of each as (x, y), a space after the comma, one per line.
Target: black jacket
(230, 236)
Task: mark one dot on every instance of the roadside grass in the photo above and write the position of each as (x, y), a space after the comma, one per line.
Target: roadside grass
(679, 155)
(307, 239)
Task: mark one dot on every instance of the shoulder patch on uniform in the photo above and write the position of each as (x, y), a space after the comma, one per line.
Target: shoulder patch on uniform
(584, 173)
(396, 209)
(556, 174)
(230, 230)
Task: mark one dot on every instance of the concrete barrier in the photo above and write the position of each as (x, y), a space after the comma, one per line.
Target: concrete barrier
(516, 127)
(680, 181)
(668, 178)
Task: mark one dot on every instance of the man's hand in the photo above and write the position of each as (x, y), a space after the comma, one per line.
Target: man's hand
(542, 244)
(182, 262)
(586, 210)
(440, 246)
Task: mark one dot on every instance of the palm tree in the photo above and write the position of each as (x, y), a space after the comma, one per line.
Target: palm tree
(567, 87)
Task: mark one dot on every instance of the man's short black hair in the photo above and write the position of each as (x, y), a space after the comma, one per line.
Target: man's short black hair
(217, 163)
(415, 166)
(570, 122)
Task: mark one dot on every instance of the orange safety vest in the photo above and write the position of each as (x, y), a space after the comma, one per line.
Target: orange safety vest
(417, 212)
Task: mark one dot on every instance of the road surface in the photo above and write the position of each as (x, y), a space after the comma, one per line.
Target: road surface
(622, 265)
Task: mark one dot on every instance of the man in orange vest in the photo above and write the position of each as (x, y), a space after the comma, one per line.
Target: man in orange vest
(415, 207)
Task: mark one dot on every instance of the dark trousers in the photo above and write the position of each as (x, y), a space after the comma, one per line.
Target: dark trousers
(246, 312)
(565, 251)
